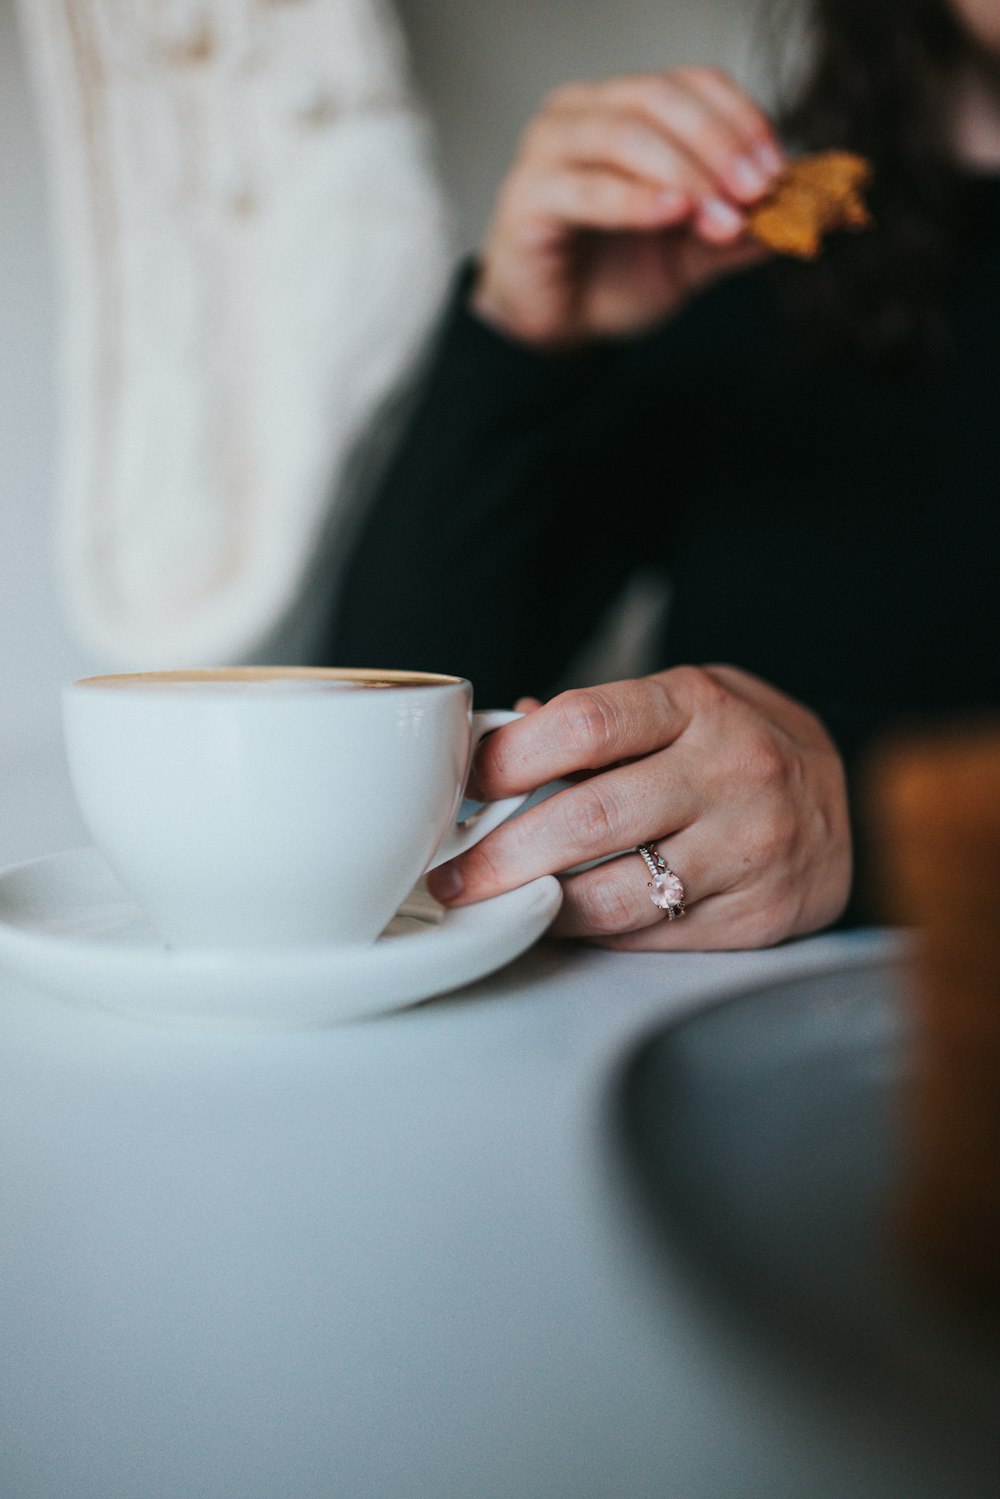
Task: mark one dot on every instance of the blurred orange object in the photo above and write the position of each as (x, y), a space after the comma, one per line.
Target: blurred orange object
(937, 806)
(812, 197)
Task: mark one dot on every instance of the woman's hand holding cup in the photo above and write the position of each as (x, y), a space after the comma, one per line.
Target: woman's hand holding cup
(626, 197)
(739, 786)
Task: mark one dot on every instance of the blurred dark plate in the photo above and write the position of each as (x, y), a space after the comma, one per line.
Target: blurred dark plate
(763, 1139)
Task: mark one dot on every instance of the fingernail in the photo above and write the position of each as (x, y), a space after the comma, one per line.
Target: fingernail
(722, 215)
(769, 159)
(747, 177)
(445, 884)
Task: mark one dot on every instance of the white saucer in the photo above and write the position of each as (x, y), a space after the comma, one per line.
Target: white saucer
(69, 926)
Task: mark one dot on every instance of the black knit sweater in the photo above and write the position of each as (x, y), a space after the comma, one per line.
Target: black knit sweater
(829, 522)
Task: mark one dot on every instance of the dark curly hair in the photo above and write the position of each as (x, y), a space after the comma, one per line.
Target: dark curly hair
(881, 79)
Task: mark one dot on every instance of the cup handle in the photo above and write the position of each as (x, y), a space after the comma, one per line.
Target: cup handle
(464, 834)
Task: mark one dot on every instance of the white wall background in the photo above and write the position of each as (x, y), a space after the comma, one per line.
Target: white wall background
(482, 69)
(37, 652)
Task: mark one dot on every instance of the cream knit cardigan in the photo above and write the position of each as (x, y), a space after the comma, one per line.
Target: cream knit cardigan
(251, 241)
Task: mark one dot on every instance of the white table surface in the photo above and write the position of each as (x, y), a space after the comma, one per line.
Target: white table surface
(392, 1260)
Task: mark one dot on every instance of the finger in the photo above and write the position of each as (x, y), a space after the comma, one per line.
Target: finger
(719, 90)
(722, 132)
(615, 897)
(588, 728)
(750, 903)
(603, 198)
(712, 141)
(709, 926)
(702, 260)
(733, 920)
(654, 94)
(527, 704)
(626, 141)
(655, 796)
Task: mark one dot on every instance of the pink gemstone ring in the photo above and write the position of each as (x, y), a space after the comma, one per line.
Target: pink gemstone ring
(667, 890)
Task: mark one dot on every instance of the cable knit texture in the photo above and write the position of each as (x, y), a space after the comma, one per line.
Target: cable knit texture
(251, 240)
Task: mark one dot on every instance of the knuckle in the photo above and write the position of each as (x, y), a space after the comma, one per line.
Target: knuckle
(772, 918)
(585, 722)
(718, 140)
(535, 136)
(626, 139)
(605, 907)
(564, 96)
(590, 817)
(763, 761)
(777, 834)
(494, 766)
(485, 866)
(654, 90)
(787, 909)
(772, 926)
(703, 73)
(700, 686)
(596, 196)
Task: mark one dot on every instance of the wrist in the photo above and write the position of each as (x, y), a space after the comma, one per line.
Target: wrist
(513, 319)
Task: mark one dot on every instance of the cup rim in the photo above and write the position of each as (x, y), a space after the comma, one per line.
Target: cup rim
(389, 679)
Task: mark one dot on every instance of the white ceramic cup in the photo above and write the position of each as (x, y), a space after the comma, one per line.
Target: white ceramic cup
(278, 806)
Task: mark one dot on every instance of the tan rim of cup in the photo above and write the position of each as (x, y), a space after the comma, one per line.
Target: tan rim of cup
(212, 674)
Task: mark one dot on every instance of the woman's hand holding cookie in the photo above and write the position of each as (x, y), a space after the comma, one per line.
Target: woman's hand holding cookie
(737, 786)
(625, 198)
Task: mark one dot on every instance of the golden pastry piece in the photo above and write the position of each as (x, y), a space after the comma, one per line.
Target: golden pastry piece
(813, 196)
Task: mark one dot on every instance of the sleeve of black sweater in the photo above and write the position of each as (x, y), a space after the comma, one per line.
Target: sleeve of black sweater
(492, 545)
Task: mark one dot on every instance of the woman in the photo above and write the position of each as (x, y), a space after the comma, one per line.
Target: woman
(811, 453)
